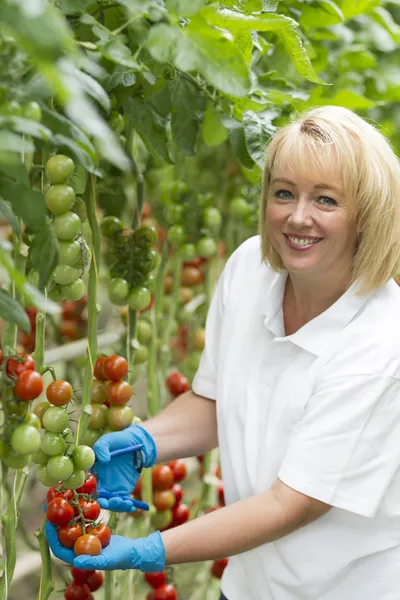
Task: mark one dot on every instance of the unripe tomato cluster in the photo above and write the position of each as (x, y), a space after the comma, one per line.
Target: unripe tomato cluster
(20, 437)
(161, 589)
(132, 261)
(109, 397)
(60, 199)
(167, 495)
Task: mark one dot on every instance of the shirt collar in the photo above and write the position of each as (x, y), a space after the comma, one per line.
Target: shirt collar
(315, 335)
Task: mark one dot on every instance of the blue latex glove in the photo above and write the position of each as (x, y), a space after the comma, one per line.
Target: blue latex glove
(145, 554)
(117, 476)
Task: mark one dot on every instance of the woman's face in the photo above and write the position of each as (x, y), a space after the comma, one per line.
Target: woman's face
(309, 224)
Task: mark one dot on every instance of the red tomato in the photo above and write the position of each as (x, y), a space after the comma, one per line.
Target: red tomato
(16, 367)
(218, 567)
(95, 581)
(179, 469)
(102, 532)
(177, 384)
(29, 386)
(80, 575)
(28, 342)
(87, 544)
(119, 393)
(68, 535)
(180, 514)
(90, 509)
(54, 492)
(59, 512)
(163, 500)
(1, 356)
(156, 580)
(98, 368)
(115, 367)
(221, 496)
(165, 592)
(177, 492)
(89, 487)
(76, 591)
(70, 329)
(163, 478)
(59, 392)
(137, 492)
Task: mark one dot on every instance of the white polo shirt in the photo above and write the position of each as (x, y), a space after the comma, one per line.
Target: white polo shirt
(320, 409)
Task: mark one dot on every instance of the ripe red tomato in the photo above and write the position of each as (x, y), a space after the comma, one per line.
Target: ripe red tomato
(179, 469)
(90, 509)
(102, 532)
(76, 591)
(163, 478)
(137, 492)
(163, 500)
(59, 392)
(59, 512)
(191, 276)
(16, 367)
(55, 492)
(115, 367)
(1, 356)
(119, 392)
(221, 495)
(87, 544)
(68, 535)
(70, 329)
(180, 514)
(156, 580)
(98, 368)
(177, 492)
(80, 575)
(95, 581)
(177, 384)
(218, 567)
(89, 487)
(165, 592)
(29, 386)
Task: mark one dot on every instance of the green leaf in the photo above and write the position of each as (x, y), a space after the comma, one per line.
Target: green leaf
(7, 212)
(120, 76)
(90, 86)
(294, 47)
(11, 142)
(214, 133)
(350, 99)
(325, 11)
(258, 129)
(12, 312)
(383, 17)
(238, 142)
(188, 105)
(74, 6)
(240, 105)
(244, 42)
(11, 165)
(117, 52)
(357, 7)
(149, 125)
(184, 8)
(26, 203)
(249, 6)
(44, 252)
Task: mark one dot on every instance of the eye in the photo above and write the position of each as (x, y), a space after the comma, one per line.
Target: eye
(283, 194)
(327, 201)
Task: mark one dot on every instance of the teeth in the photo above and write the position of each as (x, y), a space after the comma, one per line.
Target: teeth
(302, 242)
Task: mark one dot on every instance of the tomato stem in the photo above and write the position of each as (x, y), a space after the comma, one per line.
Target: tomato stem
(46, 584)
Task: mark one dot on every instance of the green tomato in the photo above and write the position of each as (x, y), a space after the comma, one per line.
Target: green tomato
(39, 457)
(40, 409)
(76, 480)
(74, 291)
(176, 235)
(239, 208)
(59, 198)
(15, 461)
(143, 331)
(60, 467)
(83, 457)
(118, 290)
(98, 418)
(64, 275)
(111, 226)
(174, 213)
(31, 110)
(117, 122)
(141, 355)
(119, 417)
(55, 419)
(90, 437)
(206, 247)
(161, 519)
(145, 236)
(70, 252)
(52, 444)
(45, 478)
(12, 108)
(68, 435)
(187, 252)
(66, 226)
(32, 419)
(25, 439)
(59, 168)
(212, 218)
(139, 298)
(55, 293)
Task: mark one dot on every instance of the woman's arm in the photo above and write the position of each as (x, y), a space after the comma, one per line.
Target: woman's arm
(187, 427)
(242, 526)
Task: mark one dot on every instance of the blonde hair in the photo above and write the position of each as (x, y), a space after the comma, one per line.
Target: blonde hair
(371, 178)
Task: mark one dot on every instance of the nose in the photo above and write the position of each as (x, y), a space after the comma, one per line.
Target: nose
(301, 214)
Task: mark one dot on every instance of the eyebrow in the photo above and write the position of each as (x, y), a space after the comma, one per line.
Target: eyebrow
(319, 186)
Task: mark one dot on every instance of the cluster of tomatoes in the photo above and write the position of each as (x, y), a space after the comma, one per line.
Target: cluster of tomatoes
(20, 434)
(73, 323)
(75, 514)
(110, 394)
(132, 260)
(74, 257)
(161, 589)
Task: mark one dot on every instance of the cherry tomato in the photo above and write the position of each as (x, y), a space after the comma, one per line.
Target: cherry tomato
(206, 247)
(99, 416)
(29, 386)
(115, 367)
(111, 226)
(145, 236)
(139, 298)
(76, 480)
(52, 444)
(143, 331)
(83, 457)
(89, 487)
(67, 226)
(163, 500)
(25, 439)
(55, 419)
(163, 477)
(218, 567)
(177, 383)
(176, 235)
(239, 208)
(118, 290)
(16, 367)
(80, 575)
(165, 592)
(65, 275)
(55, 492)
(119, 393)
(59, 198)
(212, 218)
(119, 417)
(179, 469)
(74, 291)
(31, 110)
(59, 168)
(1, 356)
(70, 329)
(68, 535)
(199, 338)
(191, 276)
(98, 394)
(32, 419)
(95, 581)
(137, 492)
(59, 392)
(59, 512)
(90, 509)
(102, 532)
(117, 122)
(87, 544)
(161, 520)
(98, 368)
(156, 580)
(76, 591)
(178, 493)
(180, 514)
(188, 252)
(185, 295)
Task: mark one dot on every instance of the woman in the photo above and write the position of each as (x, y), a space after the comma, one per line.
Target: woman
(299, 385)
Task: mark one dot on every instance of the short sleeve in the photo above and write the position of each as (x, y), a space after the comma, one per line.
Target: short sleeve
(346, 449)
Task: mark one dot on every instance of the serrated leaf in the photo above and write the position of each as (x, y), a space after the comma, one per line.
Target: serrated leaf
(238, 141)
(117, 52)
(356, 7)
(6, 210)
(188, 105)
(44, 252)
(244, 41)
(121, 76)
(214, 133)
(258, 129)
(12, 312)
(11, 142)
(294, 47)
(26, 203)
(149, 125)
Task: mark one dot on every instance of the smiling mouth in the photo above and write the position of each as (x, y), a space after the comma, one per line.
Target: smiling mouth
(302, 242)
